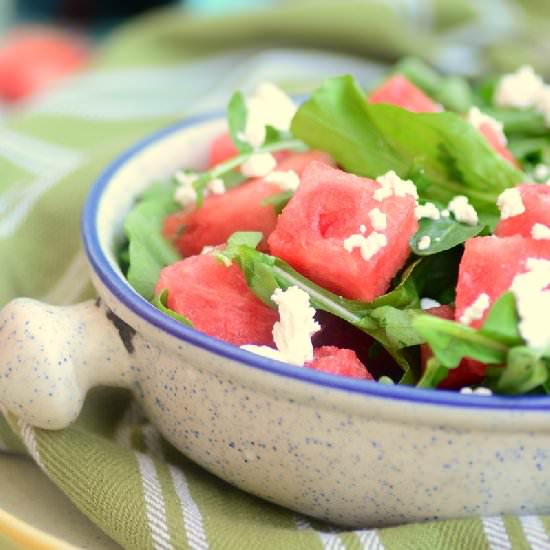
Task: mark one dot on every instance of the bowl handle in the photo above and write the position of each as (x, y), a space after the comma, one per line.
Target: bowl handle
(51, 356)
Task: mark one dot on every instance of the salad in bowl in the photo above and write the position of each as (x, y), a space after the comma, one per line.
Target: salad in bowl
(399, 235)
(315, 300)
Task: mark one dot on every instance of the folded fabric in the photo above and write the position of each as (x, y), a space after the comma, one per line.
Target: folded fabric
(111, 463)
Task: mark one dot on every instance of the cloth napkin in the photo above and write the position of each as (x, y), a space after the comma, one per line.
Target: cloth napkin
(112, 463)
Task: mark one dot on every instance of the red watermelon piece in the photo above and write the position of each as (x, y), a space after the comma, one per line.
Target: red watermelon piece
(221, 149)
(343, 362)
(489, 265)
(217, 300)
(399, 90)
(495, 142)
(468, 373)
(328, 207)
(239, 209)
(32, 59)
(536, 199)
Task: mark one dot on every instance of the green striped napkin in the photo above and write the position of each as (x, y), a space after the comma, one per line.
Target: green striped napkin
(112, 463)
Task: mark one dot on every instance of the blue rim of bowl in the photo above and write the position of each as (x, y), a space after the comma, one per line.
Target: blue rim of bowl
(122, 291)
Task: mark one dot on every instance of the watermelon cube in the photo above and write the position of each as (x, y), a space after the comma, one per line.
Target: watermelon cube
(536, 202)
(495, 141)
(221, 149)
(343, 362)
(487, 270)
(217, 300)
(239, 209)
(333, 209)
(468, 373)
(399, 90)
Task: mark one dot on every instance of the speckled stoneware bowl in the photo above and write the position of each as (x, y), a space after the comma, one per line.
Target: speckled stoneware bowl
(352, 452)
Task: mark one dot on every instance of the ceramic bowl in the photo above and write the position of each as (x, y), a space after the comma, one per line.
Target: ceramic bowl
(351, 452)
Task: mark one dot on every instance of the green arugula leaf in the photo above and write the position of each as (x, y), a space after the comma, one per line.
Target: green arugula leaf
(233, 179)
(371, 139)
(148, 250)
(160, 301)
(444, 234)
(502, 321)
(434, 373)
(240, 238)
(236, 119)
(525, 371)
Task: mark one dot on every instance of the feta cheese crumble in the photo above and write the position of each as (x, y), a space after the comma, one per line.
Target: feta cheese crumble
(378, 219)
(362, 229)
(368, 246)
(540, 232)
(523, 89)
(445, 213)
(463, 211)
(510, 203)
(533, 302)
(428, 210)
(267, 106)
(486, 392)
(207, 249)
(185, 193)
(476, 311)
(216, 186)
(392, 184)
(292, 333)
(424, 242)
(258, 165)
(287, 180)
(428, 303)
(541, 172)
(477, 119)
(520, 89)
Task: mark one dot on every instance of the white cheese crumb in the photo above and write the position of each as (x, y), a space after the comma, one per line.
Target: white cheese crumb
(428, 303)
(378, 219)
(268, 105)
(207, 249)
(293, 331)
(540, 232)
(477, 119)
(463, 211)
(258, 165)
(368, 246)
(476, 311)
(216, 186)
(533, 302)
(424, 242)
(520, 89)
(541, 172)
(362, 229)
(185, 193)
(510, 203)
(392, 184)
(428, 210)
(485, 392)
(445, 213)
(286, 180)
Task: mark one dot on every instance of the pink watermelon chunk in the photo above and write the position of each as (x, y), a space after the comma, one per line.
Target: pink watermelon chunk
(489, 265)
(399, 90)
(330, 206)
(239, 209)
(495, 142)
(468, 373)
(536, 199)
(343, 362)
(217, 300)
(222, 148)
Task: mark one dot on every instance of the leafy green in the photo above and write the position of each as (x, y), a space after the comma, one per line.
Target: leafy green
(236, 119)
(148, 250)
(160, 301)
(441, 149)
(444, 233)
(278, 201)
(502, 321)
(236, 240)
(454, 93)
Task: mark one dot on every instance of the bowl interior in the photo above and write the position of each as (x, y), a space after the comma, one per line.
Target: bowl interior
(160, 155)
